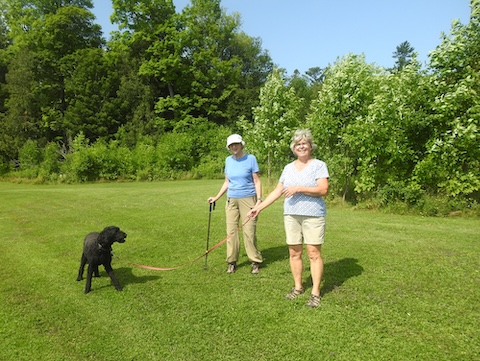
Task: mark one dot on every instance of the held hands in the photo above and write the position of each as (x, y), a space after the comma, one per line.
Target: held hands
(289, 191)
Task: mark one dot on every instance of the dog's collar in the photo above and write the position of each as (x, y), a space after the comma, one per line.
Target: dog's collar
(100, 247)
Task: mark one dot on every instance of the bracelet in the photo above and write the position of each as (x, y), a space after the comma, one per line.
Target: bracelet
(260, 199)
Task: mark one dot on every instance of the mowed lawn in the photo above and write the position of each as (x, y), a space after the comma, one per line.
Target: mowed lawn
(395, 287)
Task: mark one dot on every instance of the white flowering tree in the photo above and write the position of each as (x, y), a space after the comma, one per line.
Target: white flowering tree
(452, 165)
(336, 114)
(275, 120)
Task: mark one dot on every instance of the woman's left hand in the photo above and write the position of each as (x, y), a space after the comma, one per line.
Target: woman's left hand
(290, 191)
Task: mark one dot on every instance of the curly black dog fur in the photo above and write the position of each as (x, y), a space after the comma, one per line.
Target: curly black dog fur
(97, 250)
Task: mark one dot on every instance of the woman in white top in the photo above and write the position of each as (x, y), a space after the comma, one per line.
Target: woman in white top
(303, 183)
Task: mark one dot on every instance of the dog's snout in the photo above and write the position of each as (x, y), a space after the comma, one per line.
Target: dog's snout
(122, 237)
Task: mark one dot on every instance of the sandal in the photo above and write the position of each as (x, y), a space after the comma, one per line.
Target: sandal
(232, 267)
(314, 301)
(294, 293)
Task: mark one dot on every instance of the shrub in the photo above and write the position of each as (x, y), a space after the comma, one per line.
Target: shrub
(81, 164)
(50, 166)
(29, 157)
(4, 167)
(400, 191)
(144, 160)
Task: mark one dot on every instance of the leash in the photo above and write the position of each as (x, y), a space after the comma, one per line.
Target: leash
(195, 260)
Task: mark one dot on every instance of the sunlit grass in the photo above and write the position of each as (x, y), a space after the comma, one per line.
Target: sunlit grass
(395, 288)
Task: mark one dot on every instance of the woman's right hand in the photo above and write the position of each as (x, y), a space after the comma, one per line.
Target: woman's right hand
(211, 199)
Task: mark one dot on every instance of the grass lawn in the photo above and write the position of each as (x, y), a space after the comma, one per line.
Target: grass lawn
(395, 287)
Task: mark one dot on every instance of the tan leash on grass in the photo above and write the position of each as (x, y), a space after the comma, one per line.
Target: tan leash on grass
(191, 262)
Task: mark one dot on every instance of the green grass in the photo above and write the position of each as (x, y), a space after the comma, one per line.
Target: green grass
(395, 288)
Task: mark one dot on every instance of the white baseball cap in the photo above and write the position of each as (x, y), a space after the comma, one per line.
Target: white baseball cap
(235, 138)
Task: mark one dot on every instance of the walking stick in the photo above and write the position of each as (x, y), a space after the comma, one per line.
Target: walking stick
(212, 207)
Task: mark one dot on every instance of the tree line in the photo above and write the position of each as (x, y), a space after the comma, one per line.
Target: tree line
(158, 100)
(162, 72)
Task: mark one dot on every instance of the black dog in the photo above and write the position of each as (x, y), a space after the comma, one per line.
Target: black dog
(97, 250)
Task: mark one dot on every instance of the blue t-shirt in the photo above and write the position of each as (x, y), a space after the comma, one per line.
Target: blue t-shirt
(240, 176)
(301, 204)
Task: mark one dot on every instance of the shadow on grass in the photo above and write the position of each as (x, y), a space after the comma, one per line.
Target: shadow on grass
(126, 277)
(336, 273)
(270, 255)
(275, 254)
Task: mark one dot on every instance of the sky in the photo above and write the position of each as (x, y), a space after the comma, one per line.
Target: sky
(302, 34)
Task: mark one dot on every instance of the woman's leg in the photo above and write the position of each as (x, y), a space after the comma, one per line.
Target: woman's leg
(232, 216)
(296, 264)
(249, 230)
(316, 267)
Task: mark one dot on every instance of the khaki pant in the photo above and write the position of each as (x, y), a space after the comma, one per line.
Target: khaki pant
(236, 211)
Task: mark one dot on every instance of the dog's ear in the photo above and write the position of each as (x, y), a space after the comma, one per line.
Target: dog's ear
(110, 231)
(107, 236)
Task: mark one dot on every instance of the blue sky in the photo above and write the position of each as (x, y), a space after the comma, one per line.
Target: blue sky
(307, 33)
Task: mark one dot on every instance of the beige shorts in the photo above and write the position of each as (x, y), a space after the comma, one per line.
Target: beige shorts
(304, 229)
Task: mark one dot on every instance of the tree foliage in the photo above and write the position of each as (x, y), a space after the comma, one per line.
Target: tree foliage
(453, 160)
(158, 100)
(275, 119)
(337, 114)
(404, 54)
(163, 71)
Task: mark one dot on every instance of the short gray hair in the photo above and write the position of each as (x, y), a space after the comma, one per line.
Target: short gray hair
(302, 134)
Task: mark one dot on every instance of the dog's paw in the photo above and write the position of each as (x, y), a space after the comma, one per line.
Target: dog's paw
(79, 278)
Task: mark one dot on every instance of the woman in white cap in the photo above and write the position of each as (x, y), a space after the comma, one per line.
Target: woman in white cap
(244, 191)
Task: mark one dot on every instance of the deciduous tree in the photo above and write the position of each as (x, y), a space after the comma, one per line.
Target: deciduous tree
(275, 119)
(342, 104)
(453, 161)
